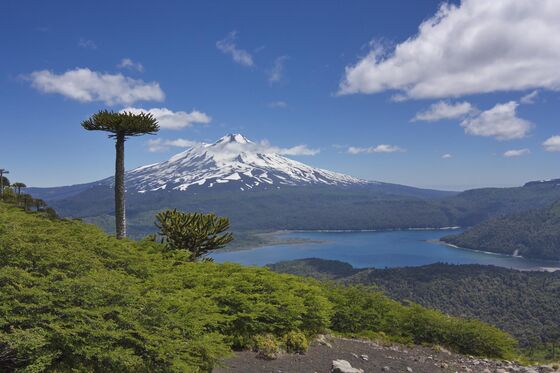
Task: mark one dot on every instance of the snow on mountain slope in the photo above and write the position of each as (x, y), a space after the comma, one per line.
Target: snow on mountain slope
(232, 161)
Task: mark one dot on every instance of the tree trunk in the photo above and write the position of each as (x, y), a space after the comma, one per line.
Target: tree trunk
(120, 217)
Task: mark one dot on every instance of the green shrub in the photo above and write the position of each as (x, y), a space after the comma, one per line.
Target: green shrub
(72, 297)
(296, 342)
(359, 310)
(266, 346)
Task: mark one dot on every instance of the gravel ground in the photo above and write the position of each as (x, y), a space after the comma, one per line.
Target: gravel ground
(377, 358)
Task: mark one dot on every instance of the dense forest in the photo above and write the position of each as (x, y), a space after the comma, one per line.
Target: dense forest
(72, 297)
(525, 304)
(308, 207)
(531, 234)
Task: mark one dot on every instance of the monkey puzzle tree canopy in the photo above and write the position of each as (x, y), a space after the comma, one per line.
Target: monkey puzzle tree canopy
(194, 233)
(124, 124)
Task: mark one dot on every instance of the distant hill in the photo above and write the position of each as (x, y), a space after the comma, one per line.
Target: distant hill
(531, 234)
(260, 190)
(369, 206)
(525, 304)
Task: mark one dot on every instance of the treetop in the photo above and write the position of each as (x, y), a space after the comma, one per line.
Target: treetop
(122, 123)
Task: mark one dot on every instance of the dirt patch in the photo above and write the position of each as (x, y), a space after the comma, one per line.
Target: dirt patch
(397, 358)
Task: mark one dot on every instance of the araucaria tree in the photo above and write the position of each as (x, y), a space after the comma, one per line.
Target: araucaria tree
(121, 126)
(19, 186)
(193, 233)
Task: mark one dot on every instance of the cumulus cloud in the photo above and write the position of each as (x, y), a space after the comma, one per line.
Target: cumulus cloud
(446, 156)
(530, 98)
(228, 46)
(552, 144)
(277, 72)
(444, 110)
(382, 148)
(277, 104)
(127, 63)
(161, 145)
(85, 85)
(233, 149)
(86, 44)
(479, 46)
(265, 147)
(169, 119)
(500, 122)
(516, 153)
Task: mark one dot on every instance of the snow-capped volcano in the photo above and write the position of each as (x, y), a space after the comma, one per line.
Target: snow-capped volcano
(232, 161)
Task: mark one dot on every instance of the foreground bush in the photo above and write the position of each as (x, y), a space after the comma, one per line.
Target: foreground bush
(73, 297)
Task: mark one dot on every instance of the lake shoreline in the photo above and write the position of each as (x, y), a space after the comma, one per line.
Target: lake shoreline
(538, 269)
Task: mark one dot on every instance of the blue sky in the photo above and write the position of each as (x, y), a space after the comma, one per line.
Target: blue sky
(341, 80)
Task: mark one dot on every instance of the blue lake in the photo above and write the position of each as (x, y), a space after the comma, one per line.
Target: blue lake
(376, 249)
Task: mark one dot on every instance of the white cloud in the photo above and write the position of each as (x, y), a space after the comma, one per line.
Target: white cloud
(160, 145)
(444, 110)
(446, 156)
(264, 146)
(500, 122)
(85, 85)
(228, 46)
(173, 119)
(277, 104)
(233, 149)
(477, 47)
(552, 144)
(295, 150)
(516, 153)
(382, 148)
(127, 63)
(530, 98)
(276, 73)
(87, 44)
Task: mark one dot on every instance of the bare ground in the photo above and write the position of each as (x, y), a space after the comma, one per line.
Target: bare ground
(380, 358)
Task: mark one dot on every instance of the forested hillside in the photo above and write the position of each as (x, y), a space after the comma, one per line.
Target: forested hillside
(383, 206)
(72, 297)
(524, 303)
(531, 234)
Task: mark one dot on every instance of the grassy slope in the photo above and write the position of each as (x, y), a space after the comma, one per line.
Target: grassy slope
(72, 297)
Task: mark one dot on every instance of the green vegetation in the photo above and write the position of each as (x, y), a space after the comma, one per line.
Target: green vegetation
(121, 126)
(525, 304)
(11, 194)
(296, 342)
(193, 233)
(266, 346)
(73, 298)
(531, 234)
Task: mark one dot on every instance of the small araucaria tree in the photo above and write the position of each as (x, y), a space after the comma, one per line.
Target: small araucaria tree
(121, 126)
(18, 186)
(195, 234)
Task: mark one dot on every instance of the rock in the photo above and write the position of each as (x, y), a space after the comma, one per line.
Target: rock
(385, 368)
(322, 340)
(545, 369)
(364, 357)
(486, 371)
(342, 366)
(408, 369)
(529, 370)
(501, 370)
(354, 355)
